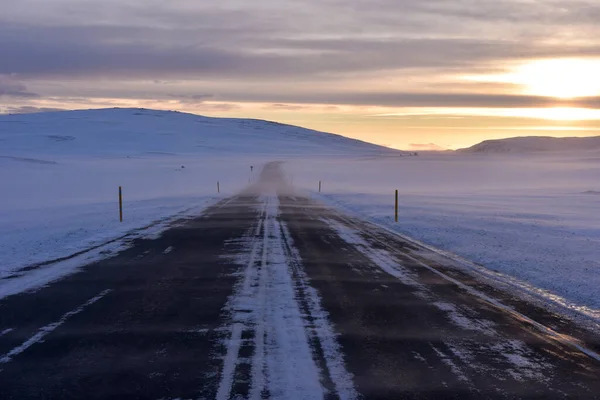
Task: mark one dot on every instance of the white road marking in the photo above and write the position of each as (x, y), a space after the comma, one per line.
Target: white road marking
(49, 328)
(168, 250)
(4, 332)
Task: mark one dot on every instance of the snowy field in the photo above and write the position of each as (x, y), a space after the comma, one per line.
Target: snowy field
(50, 211)
(533, 221)
(60, 173)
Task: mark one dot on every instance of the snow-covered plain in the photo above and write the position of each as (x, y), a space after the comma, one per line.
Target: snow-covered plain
(60, 173)
(532, 221)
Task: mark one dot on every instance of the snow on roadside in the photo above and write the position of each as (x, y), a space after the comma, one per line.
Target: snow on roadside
(68, 211)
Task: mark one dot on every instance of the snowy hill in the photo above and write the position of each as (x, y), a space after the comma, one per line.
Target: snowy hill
(60, 172)
(135, 132)
(529, 144)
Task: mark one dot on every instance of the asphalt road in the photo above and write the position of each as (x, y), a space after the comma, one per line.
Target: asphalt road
(269, 294)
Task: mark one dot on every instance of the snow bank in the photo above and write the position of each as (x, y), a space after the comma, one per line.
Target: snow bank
(529, 218)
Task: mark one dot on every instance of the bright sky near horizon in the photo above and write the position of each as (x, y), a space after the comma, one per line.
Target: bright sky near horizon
(411, 74)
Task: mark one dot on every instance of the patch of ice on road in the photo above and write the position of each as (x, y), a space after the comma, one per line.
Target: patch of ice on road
(447, 359)
(460, 319)
(523, 362)
(419, 357)
(382, 258)
(465, 355)
(42, 332)
(200, 331)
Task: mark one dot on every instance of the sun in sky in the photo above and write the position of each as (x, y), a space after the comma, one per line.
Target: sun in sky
(562, 78)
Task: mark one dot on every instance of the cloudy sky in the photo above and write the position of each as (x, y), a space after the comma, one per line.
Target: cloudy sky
(403, 73)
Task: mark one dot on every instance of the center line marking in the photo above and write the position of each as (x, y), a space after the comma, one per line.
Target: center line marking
(49, 328)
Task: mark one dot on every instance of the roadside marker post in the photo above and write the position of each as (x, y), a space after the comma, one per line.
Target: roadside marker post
(396, 207)
(319, 186)
(120, 204)
(218, 187)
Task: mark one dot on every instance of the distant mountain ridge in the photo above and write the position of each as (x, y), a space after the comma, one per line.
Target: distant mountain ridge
(530, 144)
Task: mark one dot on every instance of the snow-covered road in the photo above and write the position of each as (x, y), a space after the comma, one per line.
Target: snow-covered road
(276, 317)
(269, 294)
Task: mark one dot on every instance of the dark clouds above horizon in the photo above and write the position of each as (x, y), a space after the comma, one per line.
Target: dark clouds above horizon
(359, 52)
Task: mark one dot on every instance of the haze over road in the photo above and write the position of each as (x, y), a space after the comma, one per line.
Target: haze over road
(269, 294)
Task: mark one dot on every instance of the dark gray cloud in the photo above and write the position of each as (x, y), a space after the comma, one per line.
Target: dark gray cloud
(191, 98)
(10, 87)
(463, 100)
(203, 102)
(218, 107)
(30, 110)
(84, 52)
(128, 52)
(285, 107)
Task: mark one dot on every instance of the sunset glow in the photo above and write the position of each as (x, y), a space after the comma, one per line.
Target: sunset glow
(378, 72)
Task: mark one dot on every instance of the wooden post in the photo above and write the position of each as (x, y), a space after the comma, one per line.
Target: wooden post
(120, 204)
(218, 187)
(319, 186)
(396, 207)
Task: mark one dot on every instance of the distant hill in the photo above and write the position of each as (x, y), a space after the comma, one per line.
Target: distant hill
(135, 132)
(530, 144)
